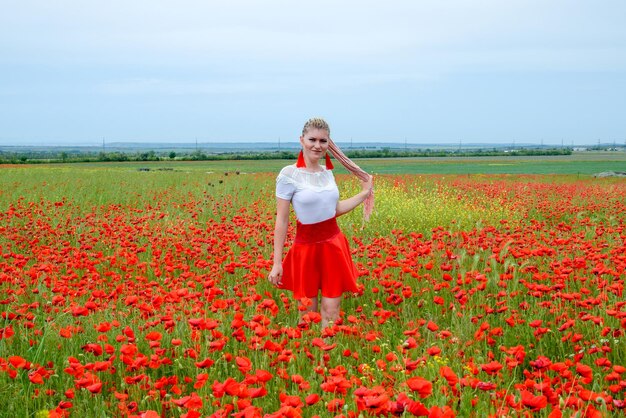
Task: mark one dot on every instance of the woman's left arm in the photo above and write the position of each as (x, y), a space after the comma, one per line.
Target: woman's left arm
(346, 205)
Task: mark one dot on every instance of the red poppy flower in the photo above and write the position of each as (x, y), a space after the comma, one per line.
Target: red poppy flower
(207, 362)
(420, 385)
(534, 402)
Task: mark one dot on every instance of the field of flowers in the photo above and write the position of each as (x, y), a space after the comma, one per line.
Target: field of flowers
(144, 294)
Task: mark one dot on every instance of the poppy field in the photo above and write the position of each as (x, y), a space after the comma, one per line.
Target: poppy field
(145, 294)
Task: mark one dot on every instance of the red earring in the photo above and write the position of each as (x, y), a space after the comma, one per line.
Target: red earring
(300, 163)
(329, 164)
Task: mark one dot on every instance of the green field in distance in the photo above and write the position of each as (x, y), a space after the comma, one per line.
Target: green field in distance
(582, 163)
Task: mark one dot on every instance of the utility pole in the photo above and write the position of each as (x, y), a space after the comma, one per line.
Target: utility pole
(103, 147)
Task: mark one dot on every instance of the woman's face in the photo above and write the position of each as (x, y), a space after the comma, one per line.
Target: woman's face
(314, 144)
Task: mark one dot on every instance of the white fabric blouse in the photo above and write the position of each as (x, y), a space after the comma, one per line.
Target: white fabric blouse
(314, 195)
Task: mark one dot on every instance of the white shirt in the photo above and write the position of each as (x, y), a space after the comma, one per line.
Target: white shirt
(314, 195)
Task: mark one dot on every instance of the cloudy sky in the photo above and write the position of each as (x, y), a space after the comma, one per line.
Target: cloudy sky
(442, 71)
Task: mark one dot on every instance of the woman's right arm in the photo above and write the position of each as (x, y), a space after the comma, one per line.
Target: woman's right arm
(280, 235)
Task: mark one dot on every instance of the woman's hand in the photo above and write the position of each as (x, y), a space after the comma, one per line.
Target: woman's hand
(345, 206)
(276, 275)
(367, 185)
(280, 233)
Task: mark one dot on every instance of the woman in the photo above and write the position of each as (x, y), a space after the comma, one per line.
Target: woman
(320, 260)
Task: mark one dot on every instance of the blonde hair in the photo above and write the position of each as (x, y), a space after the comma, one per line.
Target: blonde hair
(316, 123)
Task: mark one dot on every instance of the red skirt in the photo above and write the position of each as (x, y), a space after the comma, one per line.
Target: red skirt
(319, 260)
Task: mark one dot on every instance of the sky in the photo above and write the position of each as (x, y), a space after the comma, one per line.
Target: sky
(86, 72)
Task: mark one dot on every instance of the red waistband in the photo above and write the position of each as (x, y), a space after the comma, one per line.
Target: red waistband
(319, 232)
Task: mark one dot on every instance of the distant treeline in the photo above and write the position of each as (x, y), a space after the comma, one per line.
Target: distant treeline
(39, 157)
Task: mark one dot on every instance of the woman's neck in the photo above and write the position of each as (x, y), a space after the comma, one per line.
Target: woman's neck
(311, 166)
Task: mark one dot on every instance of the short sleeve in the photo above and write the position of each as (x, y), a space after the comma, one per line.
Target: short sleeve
(285, 186)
